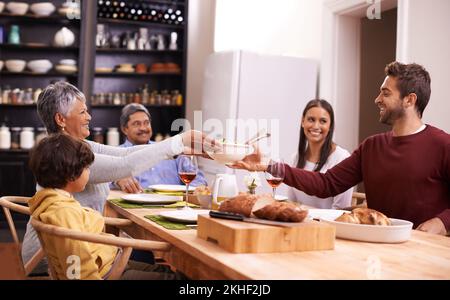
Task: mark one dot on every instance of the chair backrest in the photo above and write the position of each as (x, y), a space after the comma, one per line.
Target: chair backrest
(9, 203)
(126, 244)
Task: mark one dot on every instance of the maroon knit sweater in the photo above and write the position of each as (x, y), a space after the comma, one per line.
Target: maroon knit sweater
(406, 177)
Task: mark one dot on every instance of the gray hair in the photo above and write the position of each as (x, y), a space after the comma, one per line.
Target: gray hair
(59, 97)
(130, 109)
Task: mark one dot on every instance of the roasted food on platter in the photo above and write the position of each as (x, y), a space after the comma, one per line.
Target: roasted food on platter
(263, 207)
(364, 216)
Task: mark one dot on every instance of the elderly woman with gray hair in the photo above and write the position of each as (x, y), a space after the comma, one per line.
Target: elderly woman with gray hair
(62, 108)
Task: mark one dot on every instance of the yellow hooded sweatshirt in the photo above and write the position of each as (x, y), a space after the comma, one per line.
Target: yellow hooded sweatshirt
(59, 208)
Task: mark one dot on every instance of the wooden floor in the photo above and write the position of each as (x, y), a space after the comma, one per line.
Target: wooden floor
(5, 234)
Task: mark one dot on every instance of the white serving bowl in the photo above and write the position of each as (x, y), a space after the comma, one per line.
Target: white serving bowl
(40, 65)
(42, 8)
(68, 62)
(231, 153)
(1, 64)
(17, 8)
(2, 6)
(15, 65)
(65, 69)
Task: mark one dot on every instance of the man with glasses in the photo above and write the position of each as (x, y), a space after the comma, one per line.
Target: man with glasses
(135, 123)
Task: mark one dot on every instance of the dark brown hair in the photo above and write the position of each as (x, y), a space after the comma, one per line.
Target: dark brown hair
(328, 143)
(58, 159)
(411, 78)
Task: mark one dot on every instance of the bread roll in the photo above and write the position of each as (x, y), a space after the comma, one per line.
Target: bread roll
(281, 211)
(264, 207)
(348, 218)
(371, 216)
(364, 216)
(241, 204)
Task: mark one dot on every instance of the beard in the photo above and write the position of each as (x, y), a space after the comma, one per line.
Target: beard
(391, 115)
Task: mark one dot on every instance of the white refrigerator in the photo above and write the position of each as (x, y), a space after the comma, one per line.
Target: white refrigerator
(246, 92)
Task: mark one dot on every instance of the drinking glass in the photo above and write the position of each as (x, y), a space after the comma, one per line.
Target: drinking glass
(276, 175)
(187, 170)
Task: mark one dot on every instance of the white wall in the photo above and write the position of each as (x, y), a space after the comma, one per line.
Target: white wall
(424, 38)
(286, 27)
(200, 44)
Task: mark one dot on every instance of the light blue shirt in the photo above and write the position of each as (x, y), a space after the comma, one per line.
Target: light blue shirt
(165, 172)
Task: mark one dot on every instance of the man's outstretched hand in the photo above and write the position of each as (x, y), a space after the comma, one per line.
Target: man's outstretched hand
(252, 162)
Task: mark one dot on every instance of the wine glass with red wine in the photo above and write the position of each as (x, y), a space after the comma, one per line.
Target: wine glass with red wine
(276, 175)
(187, 170)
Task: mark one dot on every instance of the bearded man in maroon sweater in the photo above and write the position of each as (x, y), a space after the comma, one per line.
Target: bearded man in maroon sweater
(406, 171)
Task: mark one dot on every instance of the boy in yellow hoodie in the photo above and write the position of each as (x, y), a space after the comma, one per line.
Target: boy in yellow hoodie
(60, 165)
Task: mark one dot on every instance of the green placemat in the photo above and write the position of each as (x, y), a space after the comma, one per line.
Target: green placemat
(166, 223)
(124, 204)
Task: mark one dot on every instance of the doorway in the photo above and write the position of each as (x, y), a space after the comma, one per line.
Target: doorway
(378, 47)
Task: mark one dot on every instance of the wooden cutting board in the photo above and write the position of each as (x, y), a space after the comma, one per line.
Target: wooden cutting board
(244, 237)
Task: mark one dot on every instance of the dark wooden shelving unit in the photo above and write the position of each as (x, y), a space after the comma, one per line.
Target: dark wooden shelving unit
(141, 23)
(18, 105)
(48, 74)
(124, 74)
(37, 35)
(34, 18)
(34, 46)
(127, 51)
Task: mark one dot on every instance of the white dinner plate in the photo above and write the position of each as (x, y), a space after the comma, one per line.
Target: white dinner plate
(151, 198)
(170, 188)
(281, 198)
(398, 232)
(184, 216)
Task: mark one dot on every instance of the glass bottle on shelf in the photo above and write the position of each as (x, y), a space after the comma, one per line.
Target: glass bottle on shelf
(28, 96)
(27, 138)
(5, 95)
(116, 99)
(14, 35)
(112, 137)
(137, 98)
(5, 138)
(98, 135)
(15, 137)
(152, 98)
(165, 98)
(36, 94)
(144, 95)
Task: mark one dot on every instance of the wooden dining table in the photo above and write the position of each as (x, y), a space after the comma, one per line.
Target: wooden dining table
(423, 256)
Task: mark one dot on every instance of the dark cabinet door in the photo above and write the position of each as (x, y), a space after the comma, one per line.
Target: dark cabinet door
(16, 178)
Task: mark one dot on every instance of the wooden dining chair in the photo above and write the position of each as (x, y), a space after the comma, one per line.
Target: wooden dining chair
(359, 199)
(126, 244)
(9, 203)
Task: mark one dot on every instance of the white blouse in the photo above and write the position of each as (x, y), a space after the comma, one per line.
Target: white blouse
(336, 202)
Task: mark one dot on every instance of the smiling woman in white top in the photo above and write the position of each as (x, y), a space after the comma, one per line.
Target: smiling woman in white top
(317, 152)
